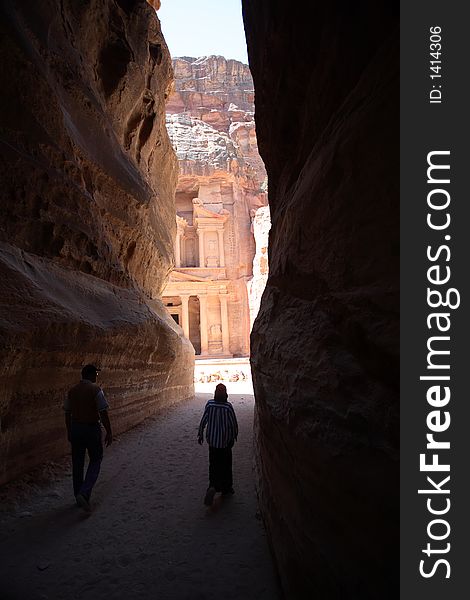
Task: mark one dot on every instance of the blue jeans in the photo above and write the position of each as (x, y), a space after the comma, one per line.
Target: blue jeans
(85, 437)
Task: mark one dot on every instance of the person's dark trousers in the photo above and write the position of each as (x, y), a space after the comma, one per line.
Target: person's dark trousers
(85, 437)
(220, 469)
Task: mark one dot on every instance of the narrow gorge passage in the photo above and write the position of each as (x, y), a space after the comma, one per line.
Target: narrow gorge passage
(149, 535)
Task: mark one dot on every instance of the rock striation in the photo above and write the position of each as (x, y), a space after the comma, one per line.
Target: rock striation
(86, 219)
(325, 343)
(210, 121)
(213, 89)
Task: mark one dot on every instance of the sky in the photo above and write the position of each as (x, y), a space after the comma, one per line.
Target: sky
(203, 27)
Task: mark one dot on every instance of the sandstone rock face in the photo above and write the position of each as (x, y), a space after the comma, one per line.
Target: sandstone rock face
(87, 219)
(213, 89)
(210, 121)
(156, 4)
(325, 343)
(261, 226)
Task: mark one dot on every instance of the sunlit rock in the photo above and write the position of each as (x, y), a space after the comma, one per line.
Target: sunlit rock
(86, 220)
(222, 182)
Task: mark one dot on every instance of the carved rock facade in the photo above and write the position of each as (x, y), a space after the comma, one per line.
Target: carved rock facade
(86, 219)
(220, 186)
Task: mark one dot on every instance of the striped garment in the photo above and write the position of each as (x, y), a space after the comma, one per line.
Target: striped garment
(222, 426)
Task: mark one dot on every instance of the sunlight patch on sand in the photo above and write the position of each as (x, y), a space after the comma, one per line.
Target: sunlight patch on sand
(234, 373)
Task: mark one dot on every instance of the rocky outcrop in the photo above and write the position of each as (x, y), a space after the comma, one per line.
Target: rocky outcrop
(86, 219)
(210, 121)
(325, 343)
(261, 225)
(213, 89)
(156, 4)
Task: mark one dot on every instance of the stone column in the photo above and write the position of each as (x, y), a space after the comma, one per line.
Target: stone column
(224, 317)
(203, 325)
(178, 250)
(185, 315)
(202, 258)
(220, 233)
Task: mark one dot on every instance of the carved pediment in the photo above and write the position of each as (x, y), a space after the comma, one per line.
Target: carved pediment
(179, 276)
(204, 213)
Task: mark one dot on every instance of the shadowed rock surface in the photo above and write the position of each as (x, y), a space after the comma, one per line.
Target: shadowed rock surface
(86, 219)
(325, 344)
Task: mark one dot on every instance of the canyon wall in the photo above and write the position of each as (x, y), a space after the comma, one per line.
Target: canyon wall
(86, 219)
(325, 343)
(210, 120)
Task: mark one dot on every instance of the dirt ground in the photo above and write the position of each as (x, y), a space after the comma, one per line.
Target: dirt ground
(149, 535)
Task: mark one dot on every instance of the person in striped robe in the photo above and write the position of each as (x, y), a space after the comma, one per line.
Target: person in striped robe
(221, 433)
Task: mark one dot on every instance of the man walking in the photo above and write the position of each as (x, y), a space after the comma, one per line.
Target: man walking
(86, 409)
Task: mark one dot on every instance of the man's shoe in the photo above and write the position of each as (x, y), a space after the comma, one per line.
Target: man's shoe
(209, 497)
(83, 502)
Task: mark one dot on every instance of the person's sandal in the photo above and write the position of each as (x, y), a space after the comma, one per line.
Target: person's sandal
(83, 503)
(209, 497)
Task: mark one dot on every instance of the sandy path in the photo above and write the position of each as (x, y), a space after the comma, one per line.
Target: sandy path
(149, 535)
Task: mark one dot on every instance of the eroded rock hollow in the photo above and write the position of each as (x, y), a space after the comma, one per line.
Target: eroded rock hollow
(325, 343)
(87, 219)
